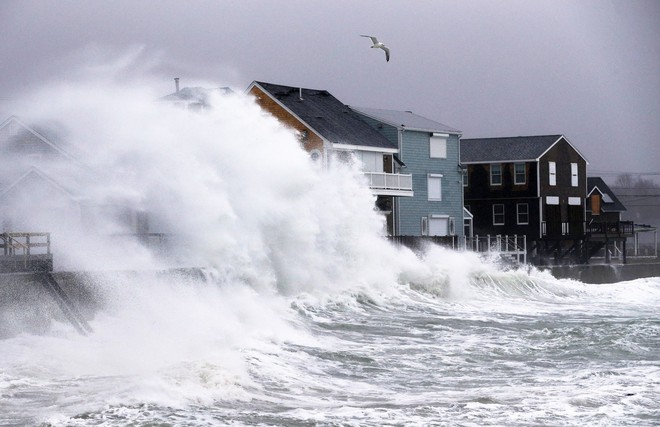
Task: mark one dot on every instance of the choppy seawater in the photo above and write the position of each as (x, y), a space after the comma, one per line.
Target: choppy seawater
(501, 348)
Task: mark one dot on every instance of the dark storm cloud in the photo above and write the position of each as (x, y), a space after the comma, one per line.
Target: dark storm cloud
(587, 69)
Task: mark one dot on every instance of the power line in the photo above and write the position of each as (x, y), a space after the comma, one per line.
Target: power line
(610, 172)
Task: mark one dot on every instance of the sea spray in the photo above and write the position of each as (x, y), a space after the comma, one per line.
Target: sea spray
(231, 186)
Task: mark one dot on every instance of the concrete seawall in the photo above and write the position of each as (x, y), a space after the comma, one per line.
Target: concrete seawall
(606, 273)
(29, 304)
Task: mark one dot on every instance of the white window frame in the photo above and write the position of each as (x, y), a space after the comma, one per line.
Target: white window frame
(466, 178)
(515, 174)
(452, 226)
(575, 201)
(424, 226)
(551, 200)
(574, 175)
(434, 177)
(499, 166)
(519, 213)
(552, 173)
(498, 214)
(438, 145)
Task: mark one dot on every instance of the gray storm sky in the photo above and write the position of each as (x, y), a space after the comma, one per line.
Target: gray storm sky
(587, 69)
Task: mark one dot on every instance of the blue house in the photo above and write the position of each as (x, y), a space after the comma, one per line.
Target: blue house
(429, 151)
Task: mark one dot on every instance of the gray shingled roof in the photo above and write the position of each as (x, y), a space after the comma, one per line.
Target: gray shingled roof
(200, 95)
(405, 119)
(329, 117)
(517, 148)
(597, 182)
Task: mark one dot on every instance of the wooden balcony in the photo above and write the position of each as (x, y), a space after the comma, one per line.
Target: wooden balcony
(611, 229)
(618, 229)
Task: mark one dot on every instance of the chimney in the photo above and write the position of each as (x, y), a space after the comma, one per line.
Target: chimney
(176, 83)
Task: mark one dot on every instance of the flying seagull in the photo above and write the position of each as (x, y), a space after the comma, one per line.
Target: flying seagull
(379, 45)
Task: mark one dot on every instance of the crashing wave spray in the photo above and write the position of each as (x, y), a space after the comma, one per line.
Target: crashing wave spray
(230, 184)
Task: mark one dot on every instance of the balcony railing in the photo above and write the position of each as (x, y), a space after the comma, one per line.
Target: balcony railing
(22, 252)
(614, 229)
(392, 184)
(611, 228)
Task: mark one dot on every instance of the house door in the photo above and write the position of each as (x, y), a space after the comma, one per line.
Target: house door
(552, 220)
(438, 226)
(387, 163)
(576, 219)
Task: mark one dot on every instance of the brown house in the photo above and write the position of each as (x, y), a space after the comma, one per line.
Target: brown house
(328, 129)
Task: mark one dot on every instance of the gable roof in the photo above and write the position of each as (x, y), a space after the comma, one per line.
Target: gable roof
(406, 120)
(35, 172)
(47, 134)
(509, 149)
(610, 203)
(326, 115)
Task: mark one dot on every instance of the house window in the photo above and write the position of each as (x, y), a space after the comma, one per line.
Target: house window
(496, 174)
(552, 168)
(371, 160)
(519, 173)
(315, 155)
(466, 180)
(438, 225)
(574, 174)
(498, 214)
(522, 213)
(438, 146)
(435, 186)
(452, 226)
(425, 226)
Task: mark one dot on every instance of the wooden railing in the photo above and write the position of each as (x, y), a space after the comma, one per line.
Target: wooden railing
(20, 252)
(24, 243)
(614, 229)
(611, 228)
(513, 248)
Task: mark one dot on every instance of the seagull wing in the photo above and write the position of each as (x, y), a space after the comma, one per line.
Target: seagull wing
(374, 40)
(387, 53)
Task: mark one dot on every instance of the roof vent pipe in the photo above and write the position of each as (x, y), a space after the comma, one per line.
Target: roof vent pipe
(176, 83)
(300, 93)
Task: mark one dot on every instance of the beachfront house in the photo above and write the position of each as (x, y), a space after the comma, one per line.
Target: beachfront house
(195, 98)
(327, 129)
(36, 189)
(45, 189)
(429, 152)
(528, 185)
(608, 233)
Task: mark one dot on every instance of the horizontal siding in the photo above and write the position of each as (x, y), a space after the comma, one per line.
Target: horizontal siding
(414, 151)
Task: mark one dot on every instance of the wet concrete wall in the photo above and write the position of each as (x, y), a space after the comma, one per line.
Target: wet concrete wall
(604, 273)
(28, 305)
